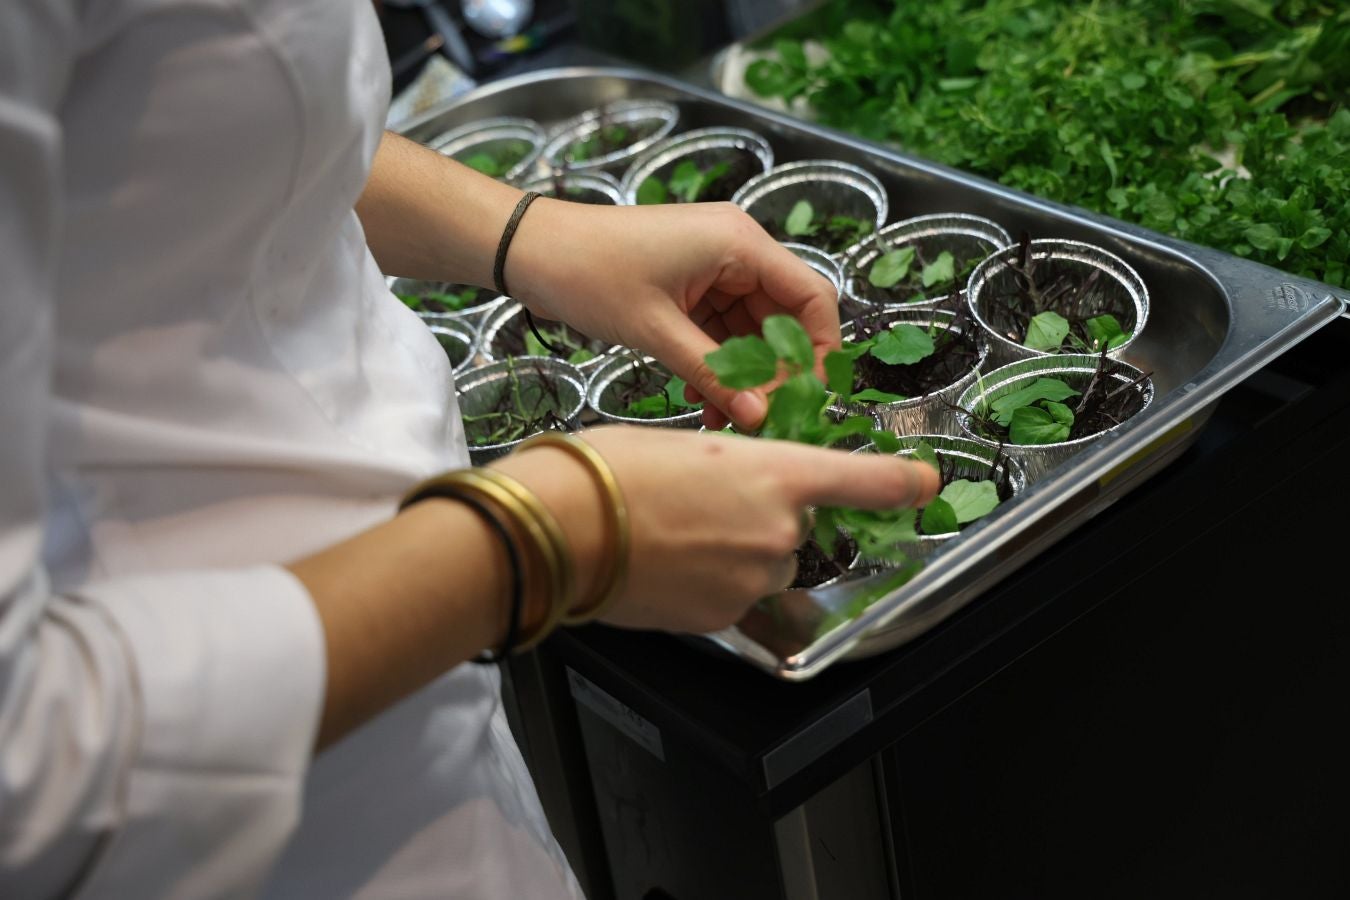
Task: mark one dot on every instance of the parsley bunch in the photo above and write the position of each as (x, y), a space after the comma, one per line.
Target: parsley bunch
(1223, 122)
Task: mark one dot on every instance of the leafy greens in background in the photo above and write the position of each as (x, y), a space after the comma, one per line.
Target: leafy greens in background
(1223, 122)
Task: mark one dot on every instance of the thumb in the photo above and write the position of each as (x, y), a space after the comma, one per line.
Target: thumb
(683, 348)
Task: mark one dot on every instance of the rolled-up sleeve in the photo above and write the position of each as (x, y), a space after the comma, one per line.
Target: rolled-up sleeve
(154, 731)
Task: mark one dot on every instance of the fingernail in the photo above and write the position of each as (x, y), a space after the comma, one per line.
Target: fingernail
(747, 408)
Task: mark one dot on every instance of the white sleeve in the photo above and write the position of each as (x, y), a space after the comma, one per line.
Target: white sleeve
(154, 731)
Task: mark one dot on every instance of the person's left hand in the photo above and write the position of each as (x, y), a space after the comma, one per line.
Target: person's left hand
(672, 281)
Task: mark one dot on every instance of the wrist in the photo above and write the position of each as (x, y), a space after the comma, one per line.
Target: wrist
(566, 489)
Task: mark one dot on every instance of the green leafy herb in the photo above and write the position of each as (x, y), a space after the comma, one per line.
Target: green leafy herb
(798, 411)
(1105, 332)
(667, 402)
(970, 500)
(939, 517)
(940, 270)
(1034, 425)
(1222, 122)
(1047, 331)
(872, 395)
(1040, 389)
(743, 362)
(924, 452)
(891, 267)
(447, 301)
(562, 338)
(686, 184)
(800, 221)
(902, 345)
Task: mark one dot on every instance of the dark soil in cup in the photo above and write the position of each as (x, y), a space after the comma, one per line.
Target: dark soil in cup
(610, 138)
(531, 405)
(559, 341)
(815, 566)
(1047, 285)
(956, 353)
(636, 384)
(431, 297)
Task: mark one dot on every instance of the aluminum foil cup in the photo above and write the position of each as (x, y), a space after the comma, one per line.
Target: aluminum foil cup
(618, 373)
(838, 187)
(705, 146)
(481, 390)
(507, 325)
(459, 340)
(929, 414)
(1119, 290)
(488, 135)
(472, 315)
(819, 260)
(1075, 370)
(661, 116)
(596, 188)
(964, 236)
(970, 459)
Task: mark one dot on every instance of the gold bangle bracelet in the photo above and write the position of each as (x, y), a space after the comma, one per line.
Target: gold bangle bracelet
(548, 541)
(540, 589)
(617, 523)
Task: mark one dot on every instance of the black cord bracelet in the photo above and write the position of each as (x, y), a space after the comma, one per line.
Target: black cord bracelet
(488, 658)
(499, 265)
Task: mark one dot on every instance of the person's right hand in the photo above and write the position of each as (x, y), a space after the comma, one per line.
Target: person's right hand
(715, 518)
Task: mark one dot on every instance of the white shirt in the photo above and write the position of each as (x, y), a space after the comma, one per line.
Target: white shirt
(203, 376)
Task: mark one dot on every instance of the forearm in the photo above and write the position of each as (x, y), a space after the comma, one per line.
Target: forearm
(427, 216)
(410, 599)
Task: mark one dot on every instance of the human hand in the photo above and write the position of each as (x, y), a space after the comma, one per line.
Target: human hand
(672, 281)
(714, 518)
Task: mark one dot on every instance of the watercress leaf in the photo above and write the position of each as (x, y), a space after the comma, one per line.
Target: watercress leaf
(924, 452)
(889, 268)
(885, 441)
(940, 270)
(839, 372)
(577, 357)
(794, 409)
(1033, 425)
(872, 395)
(826, 530)
(970, 500)
(1119, 340)
(767, 77)
(651, 407)
(1103, 329)
(675, 394)
(1059, 412)
(799, 222)
(1047, 331)
(535, 347)
(707, 179)
(652, 192)
(1040, 389)
(939, 518)
(854, 349)
(789, 340)
(484, 163)
(464, 298)
(850, 427)
(412, 301)
(686, 180)
(902, 345)
(743, 362)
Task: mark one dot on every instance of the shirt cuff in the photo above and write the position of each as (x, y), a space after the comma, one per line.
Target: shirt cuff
(231, 672)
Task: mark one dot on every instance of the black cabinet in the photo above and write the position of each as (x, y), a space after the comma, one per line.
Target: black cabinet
(1151, 708)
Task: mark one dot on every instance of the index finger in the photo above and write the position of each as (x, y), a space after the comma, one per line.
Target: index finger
(816, 476)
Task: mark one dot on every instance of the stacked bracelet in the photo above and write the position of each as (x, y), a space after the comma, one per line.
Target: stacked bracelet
(616, 525)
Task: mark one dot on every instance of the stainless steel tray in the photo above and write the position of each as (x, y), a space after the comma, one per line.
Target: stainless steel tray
(1215, 320)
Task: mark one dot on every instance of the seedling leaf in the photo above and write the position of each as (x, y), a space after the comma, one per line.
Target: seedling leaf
(743, 362)
(1047, 331)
